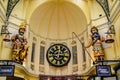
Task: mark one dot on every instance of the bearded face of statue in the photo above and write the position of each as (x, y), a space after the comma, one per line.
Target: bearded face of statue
(95, 34)
(21, 31)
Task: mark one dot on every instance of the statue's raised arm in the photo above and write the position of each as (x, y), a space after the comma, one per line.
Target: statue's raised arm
(96, 42)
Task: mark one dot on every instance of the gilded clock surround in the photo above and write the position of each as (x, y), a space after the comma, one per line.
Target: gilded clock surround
(58, 55)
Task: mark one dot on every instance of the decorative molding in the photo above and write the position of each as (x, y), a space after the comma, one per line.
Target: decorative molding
(75, 69)
(98, 18)
(11, 4)
(113, 5)
(2, 15)
(1, 3)
(26, 71)
(56, 39)
(116, 12)
(105, 7)
(13, 24)
(17, 18)
(41, 69)
(102, 24)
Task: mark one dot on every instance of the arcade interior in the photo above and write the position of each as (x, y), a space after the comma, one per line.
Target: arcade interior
(59, 39)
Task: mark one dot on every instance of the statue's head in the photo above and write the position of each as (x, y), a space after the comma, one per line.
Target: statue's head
(94, 29)
(22, 28)
(95, 33)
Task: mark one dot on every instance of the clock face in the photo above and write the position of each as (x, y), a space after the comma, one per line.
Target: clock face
(58, 55)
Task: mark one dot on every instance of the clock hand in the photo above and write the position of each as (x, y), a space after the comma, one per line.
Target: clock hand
(58, 53)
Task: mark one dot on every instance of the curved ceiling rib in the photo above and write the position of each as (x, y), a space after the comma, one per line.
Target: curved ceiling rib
(42, 18)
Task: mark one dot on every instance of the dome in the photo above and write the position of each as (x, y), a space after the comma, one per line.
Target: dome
(57, 19)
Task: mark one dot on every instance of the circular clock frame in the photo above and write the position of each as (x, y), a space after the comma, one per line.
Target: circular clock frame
(58, 55)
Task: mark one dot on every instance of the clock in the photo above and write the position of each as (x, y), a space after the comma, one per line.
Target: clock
(58, 55)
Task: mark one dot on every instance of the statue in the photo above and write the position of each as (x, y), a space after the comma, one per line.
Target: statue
(20, 48)
(96, 41)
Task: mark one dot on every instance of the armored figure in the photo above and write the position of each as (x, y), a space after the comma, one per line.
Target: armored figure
(20, 47)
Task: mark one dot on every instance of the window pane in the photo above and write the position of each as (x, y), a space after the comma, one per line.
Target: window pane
(42, 50)
(83, 53)
(74, 53)
(33, 52)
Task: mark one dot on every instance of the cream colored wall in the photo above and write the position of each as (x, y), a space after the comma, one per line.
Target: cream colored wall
(117, 37)
(22, 72)
(115, 17)
(113, 52)
(32, 5)
(2, 19)
(84, 5)
(95, 11)
(18, 14)
(4, 50)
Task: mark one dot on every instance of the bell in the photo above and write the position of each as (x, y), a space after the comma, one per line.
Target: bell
(109, 38)
(7, 38)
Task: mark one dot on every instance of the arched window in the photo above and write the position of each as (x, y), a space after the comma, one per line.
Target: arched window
(42, 52)
(33, 52)
(83, 50)
(33, 49)
(74, 53)
(83, 53)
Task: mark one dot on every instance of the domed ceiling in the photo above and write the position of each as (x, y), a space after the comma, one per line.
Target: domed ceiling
(57, 19)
